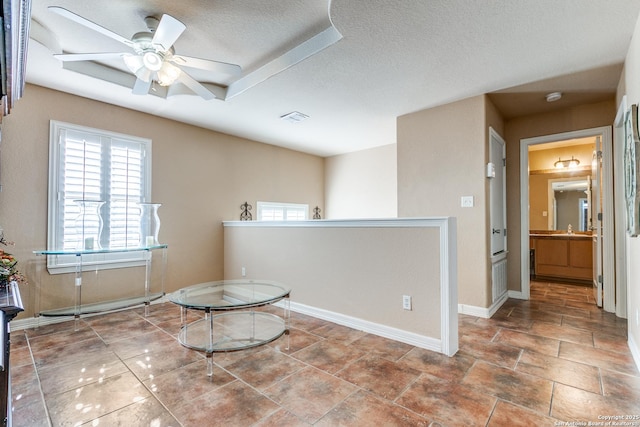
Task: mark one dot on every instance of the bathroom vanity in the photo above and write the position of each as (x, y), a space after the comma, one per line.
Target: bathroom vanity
(561, 256)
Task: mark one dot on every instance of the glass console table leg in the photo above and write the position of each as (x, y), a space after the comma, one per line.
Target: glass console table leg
(147, 279)
(78, 293)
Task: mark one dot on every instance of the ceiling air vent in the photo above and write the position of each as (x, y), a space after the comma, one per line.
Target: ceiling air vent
(294, 117)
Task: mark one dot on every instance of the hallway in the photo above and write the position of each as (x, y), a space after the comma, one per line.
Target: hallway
(554, 358)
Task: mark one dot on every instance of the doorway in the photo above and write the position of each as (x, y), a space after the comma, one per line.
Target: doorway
(532, 216)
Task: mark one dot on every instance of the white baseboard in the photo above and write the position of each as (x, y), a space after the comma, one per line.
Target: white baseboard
(485, 313)
(635, 351)
(34, 322)
(411, 338)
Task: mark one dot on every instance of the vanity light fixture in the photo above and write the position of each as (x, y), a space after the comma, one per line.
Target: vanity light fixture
(570, 163)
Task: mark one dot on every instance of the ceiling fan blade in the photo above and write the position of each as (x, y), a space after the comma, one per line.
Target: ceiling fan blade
(91, 25)
(206, 64)
(168, 31)
(88, 56)
(195, 86)
(141, 87)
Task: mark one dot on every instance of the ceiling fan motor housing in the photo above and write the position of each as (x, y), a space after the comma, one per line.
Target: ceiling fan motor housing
(142, 42)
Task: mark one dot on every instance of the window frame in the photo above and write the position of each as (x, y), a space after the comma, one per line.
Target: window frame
(285, 206)
(66, 263)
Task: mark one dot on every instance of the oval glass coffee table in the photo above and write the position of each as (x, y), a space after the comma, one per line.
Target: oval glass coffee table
(235, 315)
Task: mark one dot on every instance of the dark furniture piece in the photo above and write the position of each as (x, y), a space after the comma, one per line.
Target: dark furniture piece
(10, 306)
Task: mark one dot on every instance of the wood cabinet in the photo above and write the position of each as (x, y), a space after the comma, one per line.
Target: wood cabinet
(566, 257)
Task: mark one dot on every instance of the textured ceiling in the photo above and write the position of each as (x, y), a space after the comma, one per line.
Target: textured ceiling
(395, 57)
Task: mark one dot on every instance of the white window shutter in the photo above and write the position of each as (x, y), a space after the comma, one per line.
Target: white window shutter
(91, 164)
(81, 179)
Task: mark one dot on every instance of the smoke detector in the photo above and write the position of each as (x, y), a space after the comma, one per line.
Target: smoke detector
(553, 96)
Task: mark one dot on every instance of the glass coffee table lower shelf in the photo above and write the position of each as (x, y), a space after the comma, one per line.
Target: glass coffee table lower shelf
(235, 315)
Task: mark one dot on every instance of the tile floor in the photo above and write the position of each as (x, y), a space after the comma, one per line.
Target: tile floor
(554, 358)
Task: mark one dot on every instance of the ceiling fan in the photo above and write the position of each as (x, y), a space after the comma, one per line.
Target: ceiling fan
(151, 56)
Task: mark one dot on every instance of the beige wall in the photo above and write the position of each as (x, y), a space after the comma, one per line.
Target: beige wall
(442, 154)
(578, 118)
(362, 184)
(631, 82)
(201, 178)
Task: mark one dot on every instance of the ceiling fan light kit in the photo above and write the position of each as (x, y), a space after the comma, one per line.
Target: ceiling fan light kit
(151, 66)
(168, 74)
(152, 61)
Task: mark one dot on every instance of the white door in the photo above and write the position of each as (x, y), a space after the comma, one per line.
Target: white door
(596, 219)
(497, 193)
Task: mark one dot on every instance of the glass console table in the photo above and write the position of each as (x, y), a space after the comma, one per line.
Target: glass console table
(238, 325)
(79, 264)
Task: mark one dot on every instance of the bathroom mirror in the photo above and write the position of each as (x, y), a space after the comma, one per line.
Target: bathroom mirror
(569, 205)
(559, 196)
(557, 201)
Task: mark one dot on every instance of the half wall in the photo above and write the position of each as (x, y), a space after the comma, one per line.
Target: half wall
(356, 272)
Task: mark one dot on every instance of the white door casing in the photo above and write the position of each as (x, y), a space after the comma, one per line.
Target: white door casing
(620, 210)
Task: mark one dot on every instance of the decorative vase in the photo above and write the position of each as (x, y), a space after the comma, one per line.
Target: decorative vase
(149, 224)
(89, 224)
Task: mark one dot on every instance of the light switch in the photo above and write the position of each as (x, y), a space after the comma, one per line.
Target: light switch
(466, 201)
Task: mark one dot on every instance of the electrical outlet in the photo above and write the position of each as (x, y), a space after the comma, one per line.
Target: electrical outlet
(244, 272)
(466, 201)
(406, 302)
